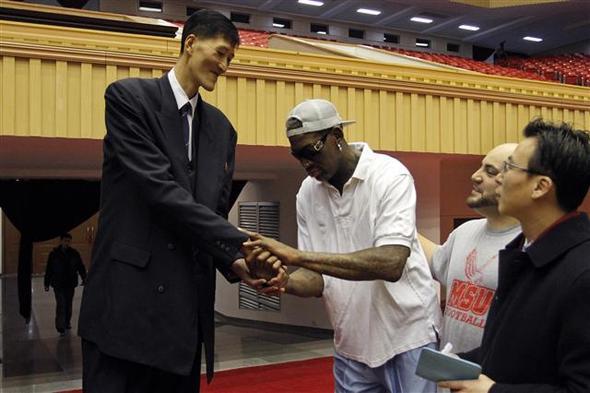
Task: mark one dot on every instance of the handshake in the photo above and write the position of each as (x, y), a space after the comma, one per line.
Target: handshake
(264, 264)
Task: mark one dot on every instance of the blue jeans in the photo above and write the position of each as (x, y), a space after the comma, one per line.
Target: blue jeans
(397, 375)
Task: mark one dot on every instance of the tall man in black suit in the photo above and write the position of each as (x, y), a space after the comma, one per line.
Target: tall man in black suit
(167, 172)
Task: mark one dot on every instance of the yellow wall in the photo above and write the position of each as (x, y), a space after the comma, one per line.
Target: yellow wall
(53, 80)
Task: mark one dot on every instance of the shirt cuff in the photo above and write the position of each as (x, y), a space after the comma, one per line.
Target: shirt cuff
(393, 241)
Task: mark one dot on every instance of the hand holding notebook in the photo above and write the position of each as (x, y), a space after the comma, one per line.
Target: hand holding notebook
(441, 366)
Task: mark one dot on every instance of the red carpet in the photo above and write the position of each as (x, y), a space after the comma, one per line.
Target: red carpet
(305, 376)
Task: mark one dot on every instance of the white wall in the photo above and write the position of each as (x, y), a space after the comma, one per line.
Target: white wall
(294, 311)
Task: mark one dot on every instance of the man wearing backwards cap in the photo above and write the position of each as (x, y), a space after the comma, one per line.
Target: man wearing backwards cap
(359, 250)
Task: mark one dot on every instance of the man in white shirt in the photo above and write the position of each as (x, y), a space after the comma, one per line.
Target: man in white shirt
(360, 251)
(466, 265)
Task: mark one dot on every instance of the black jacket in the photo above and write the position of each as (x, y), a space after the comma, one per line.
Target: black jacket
(63, 267)
(537, 337)
(162, 230)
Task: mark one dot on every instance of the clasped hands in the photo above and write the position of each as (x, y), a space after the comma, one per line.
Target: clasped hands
(264, 264)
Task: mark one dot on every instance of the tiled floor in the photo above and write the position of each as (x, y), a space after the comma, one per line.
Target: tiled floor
(36, 359)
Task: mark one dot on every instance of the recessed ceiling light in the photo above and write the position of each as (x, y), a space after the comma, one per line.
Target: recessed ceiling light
(150, 6)
(281, 23)
(368, 11)
(424, 44)
(150, 9)
(311, 2)
(533, 39)
(322, 32)
(420, 19)
(469, 27)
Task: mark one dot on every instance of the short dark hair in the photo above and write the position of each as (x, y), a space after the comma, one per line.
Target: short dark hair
(563, 154)
(209, 24)
(65, 236)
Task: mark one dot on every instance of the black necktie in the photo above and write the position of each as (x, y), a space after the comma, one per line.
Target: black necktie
(184, 111)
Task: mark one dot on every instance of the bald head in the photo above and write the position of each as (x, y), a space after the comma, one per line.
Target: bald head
(500, 153)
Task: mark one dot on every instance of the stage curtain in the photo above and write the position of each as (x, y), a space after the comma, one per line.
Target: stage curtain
(42, 210)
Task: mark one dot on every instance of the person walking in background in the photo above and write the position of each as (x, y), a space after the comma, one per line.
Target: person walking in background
(61, 273)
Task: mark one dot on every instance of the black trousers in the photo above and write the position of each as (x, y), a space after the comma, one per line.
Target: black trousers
(106, 374)
(63, 307)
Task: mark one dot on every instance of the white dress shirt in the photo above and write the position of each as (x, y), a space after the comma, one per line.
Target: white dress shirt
(373, 320)
(181, 100)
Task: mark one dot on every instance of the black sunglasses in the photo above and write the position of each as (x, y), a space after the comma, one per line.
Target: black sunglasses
(310, 151)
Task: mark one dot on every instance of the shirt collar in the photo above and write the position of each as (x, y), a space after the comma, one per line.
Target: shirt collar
(563, 218)
(361, 171)
(179, 93)
(565, 234)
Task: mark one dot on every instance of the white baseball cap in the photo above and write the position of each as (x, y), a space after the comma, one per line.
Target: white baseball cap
(315, 115)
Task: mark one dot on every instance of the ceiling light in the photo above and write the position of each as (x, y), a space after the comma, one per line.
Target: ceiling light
(281, 23)
(533, 39)
(150, 6)
(469, 27)
(322, 32)
(420, 19)
(150, 9)
(311, 2)
(368, 11)
(424, 44)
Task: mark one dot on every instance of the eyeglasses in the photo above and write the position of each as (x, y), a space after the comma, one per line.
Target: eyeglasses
(310, 151)
(507, 165)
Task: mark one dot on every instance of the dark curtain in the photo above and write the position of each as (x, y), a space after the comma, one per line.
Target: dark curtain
(42, 210)
(236, 189)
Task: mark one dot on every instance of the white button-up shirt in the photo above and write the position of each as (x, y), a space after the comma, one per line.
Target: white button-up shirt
(373, 320)
(181, 100)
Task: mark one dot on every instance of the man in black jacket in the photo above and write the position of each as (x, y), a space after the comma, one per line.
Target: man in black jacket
(537, 337)
(63, 266)
(148, 304)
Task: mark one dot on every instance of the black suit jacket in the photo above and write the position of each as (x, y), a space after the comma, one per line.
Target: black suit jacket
(162, 230)
(537, 336)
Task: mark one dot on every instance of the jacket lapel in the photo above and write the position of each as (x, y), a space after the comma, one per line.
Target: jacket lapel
(207, 157)
(171, 123)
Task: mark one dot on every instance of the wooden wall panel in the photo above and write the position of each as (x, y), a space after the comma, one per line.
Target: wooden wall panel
(485, 125)
(35, 97)
(53, 81)
(21, 85)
